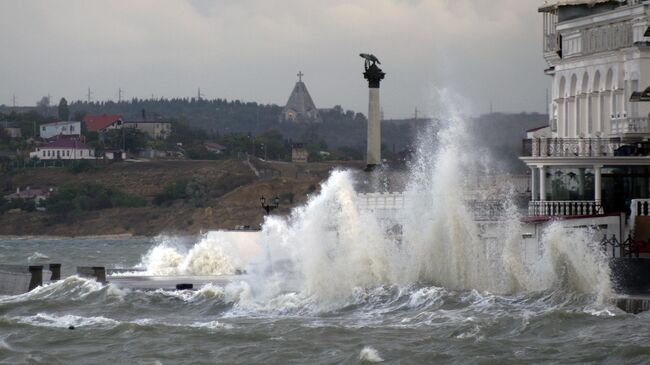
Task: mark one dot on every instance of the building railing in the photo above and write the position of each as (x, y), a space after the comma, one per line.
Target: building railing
(564, 208)
(627, 125)
(628, 248)
(570, 147)
(638, 208)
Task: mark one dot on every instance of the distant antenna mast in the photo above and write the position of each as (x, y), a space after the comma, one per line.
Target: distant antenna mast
(119, 95)
(199, 95)
(90, 95)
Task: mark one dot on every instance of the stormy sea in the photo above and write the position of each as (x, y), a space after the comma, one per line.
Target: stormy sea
(334, 284)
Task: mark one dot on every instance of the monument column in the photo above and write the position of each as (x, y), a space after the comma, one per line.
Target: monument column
(374, 75)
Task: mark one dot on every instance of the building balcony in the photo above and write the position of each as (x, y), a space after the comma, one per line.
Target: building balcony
(571, 147)
(564, 208)
(629, 126)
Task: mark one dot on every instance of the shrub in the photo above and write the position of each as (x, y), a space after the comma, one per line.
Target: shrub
(85, 197)
(287, 197)
(81, 166)
(172, 191)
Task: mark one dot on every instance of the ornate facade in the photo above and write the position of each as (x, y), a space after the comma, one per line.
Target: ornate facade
(592, 157)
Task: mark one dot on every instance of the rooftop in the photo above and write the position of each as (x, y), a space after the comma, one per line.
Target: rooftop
(95, 123)
(66, 122)
(67, 143)
(300, 102)
(30, 193)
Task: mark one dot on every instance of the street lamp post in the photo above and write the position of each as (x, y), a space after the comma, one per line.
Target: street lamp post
(274, 204)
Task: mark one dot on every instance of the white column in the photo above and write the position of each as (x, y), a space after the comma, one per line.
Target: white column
(374, 128)
(589, 118)
(566, 117)
(578, 116)
(601, 118)
(597, 183)
(533, 183)
(542, 183)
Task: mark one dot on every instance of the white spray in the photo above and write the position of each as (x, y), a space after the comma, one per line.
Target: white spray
(329, 250)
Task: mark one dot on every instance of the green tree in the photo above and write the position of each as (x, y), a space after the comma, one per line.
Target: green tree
(270, 145)
(130, 138)
(64, 111)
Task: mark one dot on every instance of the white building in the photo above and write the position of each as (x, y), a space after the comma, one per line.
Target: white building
(156, 129)
(69, 128)
(597, 138)
(64, 149)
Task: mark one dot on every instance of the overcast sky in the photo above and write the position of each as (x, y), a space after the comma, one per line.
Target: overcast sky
(486, 50)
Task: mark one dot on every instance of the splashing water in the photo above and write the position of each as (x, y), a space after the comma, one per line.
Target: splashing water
(217, 253)
(329, 250)
(370, 355)
(336, 248)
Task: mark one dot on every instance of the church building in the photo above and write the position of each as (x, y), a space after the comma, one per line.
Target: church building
(300, 107)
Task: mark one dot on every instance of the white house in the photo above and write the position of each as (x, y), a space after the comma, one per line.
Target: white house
(156, 129)
(64, 149)
(70, 128)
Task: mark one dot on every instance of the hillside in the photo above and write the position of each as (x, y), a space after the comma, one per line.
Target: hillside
(232, 192)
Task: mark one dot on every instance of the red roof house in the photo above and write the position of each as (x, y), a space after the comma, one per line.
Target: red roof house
(100, 123)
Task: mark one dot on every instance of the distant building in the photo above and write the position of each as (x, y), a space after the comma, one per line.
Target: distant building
(156, 129)
(299, 153)
(12, 129)
(37, 194)
(214, 147)
(64, 149)
(115, 155)
(300, 107)
(102, 123)
(69, 128)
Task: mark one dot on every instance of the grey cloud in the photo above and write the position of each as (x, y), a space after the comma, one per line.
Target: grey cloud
(252, 49)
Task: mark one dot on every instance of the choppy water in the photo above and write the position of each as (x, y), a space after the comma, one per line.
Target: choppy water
(417, 323)
(328, 285)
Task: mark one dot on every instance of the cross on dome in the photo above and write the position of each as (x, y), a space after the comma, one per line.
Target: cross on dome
(300, 75)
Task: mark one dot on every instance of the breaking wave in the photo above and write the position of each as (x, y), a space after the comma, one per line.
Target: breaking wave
(333, 253)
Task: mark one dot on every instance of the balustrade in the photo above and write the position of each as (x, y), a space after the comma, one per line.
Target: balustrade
(626, 125)
(570, 147)
(564, 208)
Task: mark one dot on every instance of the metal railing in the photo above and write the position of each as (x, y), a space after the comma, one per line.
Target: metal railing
(564, 208)
(570, 147)
(629, 248)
